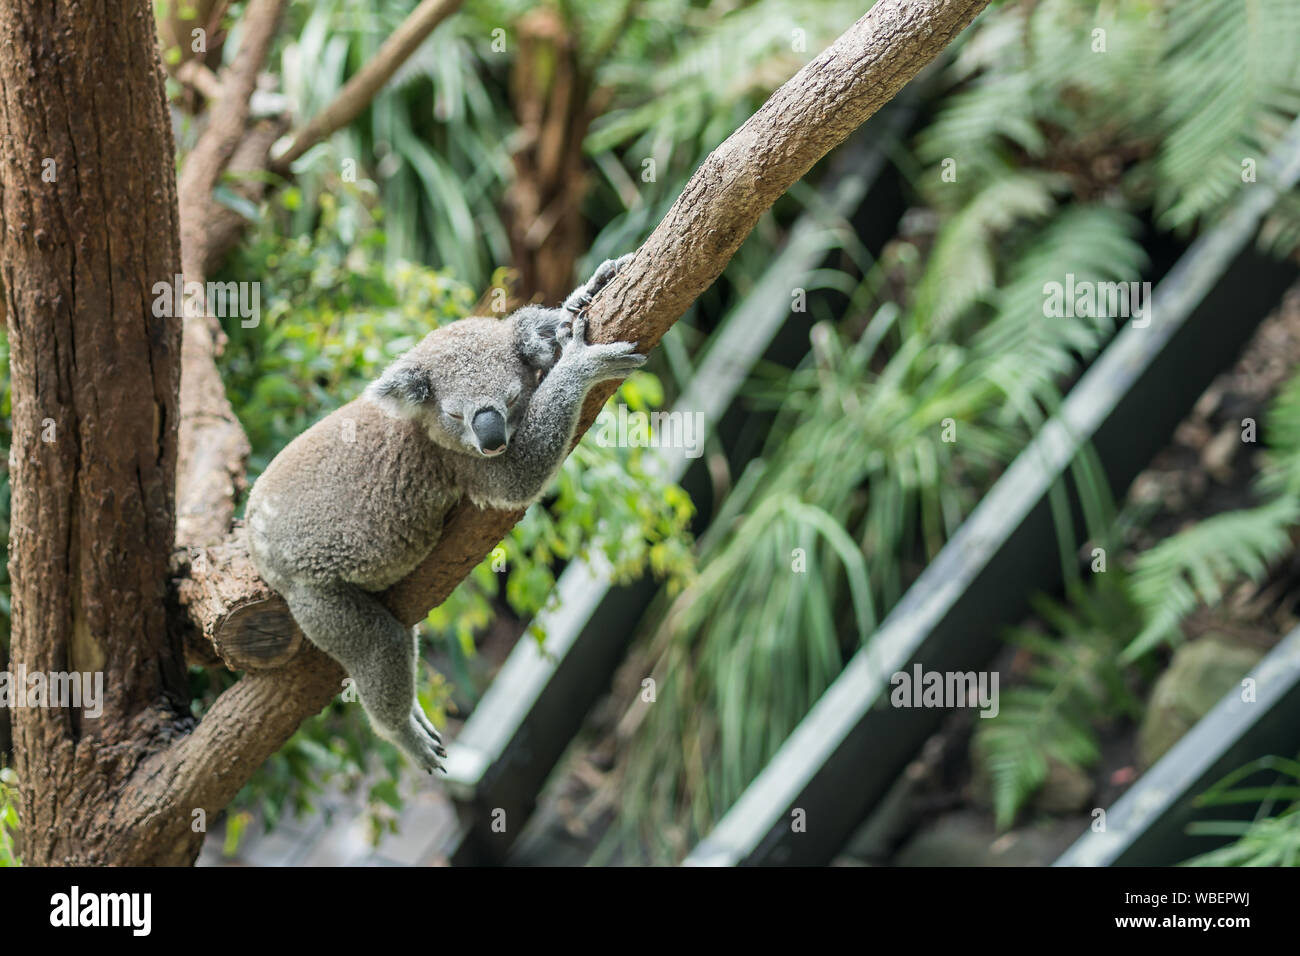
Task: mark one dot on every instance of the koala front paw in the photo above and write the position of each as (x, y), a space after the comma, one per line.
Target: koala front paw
(572, 336)
(601, 362)
(564, 333)
(613, 360)
(606, 271)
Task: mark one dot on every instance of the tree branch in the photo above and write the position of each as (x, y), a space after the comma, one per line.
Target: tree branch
(197, 76)
(208, 159)
(213, 447)
(361, 89)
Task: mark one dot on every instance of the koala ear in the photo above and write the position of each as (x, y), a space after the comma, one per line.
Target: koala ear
(535, 329)
(404, 390)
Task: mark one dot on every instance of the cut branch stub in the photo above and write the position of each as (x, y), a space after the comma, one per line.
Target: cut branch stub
(258, 635)
(248, 624)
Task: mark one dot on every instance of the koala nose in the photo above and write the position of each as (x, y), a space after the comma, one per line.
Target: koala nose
(490, 430)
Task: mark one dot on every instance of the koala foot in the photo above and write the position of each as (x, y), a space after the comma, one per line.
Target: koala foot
(427, 724)
(423, 748)
(581, 298)
(614, 360)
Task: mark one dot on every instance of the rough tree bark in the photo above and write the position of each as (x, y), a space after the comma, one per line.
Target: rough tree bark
(88, 223)
(93, 511)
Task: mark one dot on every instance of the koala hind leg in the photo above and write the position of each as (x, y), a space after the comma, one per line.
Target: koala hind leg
(581, 297)
(416, 710)
(378, 653)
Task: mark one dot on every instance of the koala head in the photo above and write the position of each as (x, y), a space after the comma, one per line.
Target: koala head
(466, 383)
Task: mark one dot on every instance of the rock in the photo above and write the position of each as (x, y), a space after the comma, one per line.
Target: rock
(1067, 789)
(967, 838)
(1217, 455)
(1199, 674)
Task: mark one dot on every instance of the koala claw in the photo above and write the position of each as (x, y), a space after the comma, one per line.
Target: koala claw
(421, 742)
(615, 360)
(423, 720)
(606, 271)
(578, 302)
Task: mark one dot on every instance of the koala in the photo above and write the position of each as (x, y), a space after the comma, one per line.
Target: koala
(483, 409)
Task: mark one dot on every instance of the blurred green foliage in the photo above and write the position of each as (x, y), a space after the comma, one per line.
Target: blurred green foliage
(8, 817)
(1066, 126)
(1272, 836)
(1103, 639)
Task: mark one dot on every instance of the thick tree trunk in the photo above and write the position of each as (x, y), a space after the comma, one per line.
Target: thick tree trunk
(89, 225)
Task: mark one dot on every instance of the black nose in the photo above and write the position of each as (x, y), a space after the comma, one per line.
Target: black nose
(490, 429)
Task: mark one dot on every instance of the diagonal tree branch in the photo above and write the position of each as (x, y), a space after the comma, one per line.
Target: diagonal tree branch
(808, 116)
(361, 89)
(225, 129)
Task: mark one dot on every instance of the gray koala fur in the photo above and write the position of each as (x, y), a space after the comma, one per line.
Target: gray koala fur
(483, 409)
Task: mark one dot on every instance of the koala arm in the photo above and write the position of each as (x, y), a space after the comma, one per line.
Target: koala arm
(537, 334)
(519, 476)
(538, 330)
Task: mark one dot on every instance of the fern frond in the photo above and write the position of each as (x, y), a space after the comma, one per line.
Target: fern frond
(1074, 684)
(1095, 243)
(1273, 838)
(961, 269)
(1279, 234)
(1281, 473)
(1195, 566)
(1232, 72)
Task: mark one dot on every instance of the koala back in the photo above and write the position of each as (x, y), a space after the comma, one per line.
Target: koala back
(359, 497)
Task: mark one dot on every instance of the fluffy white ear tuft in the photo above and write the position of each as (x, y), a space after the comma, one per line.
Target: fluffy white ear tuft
(403, 391)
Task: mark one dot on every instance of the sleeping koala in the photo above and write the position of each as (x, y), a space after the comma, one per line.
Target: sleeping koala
(482, 408)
